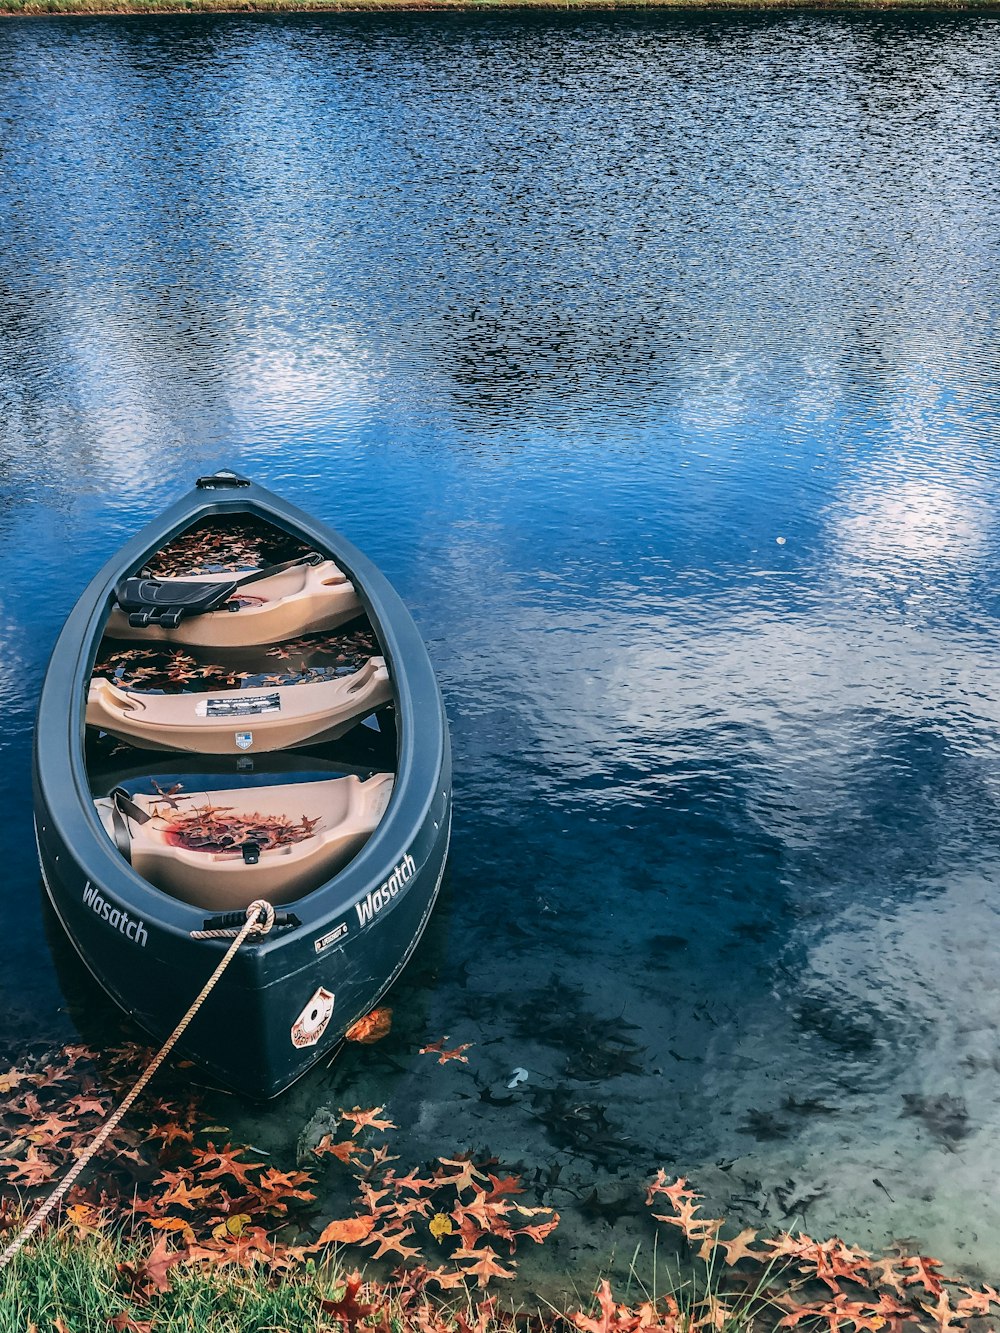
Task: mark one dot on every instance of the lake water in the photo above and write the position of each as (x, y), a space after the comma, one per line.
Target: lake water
(655, 359)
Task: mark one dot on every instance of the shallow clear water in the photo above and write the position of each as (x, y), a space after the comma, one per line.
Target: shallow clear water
(655, 359)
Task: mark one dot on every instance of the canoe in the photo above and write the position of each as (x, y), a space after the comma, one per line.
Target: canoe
(240, 707)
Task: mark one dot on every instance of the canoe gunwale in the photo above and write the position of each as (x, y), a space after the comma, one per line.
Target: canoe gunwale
(62, 789)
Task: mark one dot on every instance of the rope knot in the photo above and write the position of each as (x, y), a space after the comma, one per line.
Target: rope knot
(264, 918)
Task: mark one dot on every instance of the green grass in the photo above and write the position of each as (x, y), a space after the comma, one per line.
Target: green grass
(81, 1284)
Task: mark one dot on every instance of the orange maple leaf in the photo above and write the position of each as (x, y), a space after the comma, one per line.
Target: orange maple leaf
(14, 1078)
(437, 1048)
(345, 1151)
(169, 1134)
(500, 1185)
(391, 1242)
(347, 1230)
(456, 1053)
(226, 1163)
(486, 1214)
(32, 1170)
(371, 1028)
(739, 1247)
(183, 1195)
(444, 1279)
(276, 1187)
(85, 1219)
(607, 1319)
(88, 1105)
(925, 1275)
(463, 1177)
(537, 1230)
(486, 1267)
(978, 1301)
(412, 1182)
(885, 1275)
(677, 1193)
(368, 1118)
(381, 1155)
(174, 1224)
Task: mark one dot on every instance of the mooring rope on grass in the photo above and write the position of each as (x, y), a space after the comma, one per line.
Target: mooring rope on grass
(253, 925)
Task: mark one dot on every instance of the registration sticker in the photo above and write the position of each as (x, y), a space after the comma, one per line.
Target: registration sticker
(239, 705)
(331, 937)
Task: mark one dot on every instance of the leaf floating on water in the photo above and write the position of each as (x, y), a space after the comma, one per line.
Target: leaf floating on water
(437, 1048)
(367, 1118)
(347, 1230)
(373, 1027)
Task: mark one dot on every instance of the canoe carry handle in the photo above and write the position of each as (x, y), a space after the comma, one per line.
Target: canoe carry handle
(227, 924)
(219, 479)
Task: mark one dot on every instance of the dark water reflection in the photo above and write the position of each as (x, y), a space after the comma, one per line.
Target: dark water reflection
(655, 359)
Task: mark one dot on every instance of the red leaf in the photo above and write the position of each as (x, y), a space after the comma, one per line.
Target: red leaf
(348, 1309)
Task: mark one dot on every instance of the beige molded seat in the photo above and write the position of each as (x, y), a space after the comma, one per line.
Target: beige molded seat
(208, 723)
(346, 811)
(300, 600)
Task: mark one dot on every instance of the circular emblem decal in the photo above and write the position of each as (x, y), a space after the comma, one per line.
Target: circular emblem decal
(313, 1020)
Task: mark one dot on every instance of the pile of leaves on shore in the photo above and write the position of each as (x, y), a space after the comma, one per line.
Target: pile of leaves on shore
(175, 1218)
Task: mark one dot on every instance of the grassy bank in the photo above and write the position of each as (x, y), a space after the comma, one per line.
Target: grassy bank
(68, 1286)
(175, 1228)
(13, 8)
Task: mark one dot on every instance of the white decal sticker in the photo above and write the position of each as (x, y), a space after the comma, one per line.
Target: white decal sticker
(378, 898)
(116, 917)
(244, 739)
(313, 1020)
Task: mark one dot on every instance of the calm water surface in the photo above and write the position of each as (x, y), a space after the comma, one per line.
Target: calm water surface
(655, 359)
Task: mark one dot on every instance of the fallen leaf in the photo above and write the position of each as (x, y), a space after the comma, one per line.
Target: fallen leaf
(368, 1118)
(373, 1027)
(347, 1230)
(124, 1323)
(486, 1267)
(739, 1247)
(232, 1226)
(347, 1309)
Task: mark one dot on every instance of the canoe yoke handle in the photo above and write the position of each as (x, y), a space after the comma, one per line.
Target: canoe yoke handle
(165, 602)
(228, 923)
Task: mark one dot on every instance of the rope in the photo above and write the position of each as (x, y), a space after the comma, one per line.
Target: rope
(252, 926)
(229, 932)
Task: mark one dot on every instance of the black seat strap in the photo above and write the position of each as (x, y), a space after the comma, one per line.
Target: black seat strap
(310, 558)
(122, 805)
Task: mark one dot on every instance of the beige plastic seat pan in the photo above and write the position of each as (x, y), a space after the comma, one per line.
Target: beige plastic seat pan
(347, 811)
(208, 723)
(301, 600)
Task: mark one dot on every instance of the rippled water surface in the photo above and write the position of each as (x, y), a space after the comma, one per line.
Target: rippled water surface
(655, 359)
